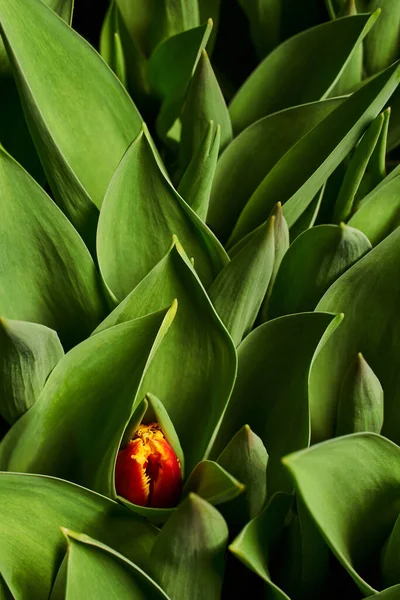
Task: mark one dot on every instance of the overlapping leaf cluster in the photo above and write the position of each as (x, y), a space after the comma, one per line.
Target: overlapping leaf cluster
(232, 273)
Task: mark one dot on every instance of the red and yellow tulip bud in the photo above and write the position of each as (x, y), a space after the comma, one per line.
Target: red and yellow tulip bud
(147, 471)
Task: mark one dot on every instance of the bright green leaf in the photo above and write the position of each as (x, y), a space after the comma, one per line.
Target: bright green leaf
(47, 274)
(211, 481)
(313, 262)
(140, 214)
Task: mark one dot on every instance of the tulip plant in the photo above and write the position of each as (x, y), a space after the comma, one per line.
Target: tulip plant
(200, 301)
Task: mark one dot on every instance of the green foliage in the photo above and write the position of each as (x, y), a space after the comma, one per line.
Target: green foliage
(199, 265)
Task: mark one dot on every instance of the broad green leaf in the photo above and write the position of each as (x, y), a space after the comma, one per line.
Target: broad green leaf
(356, 171)
(271, 390)
(14, 133)
(141, 212)
(28, 354)
(171, 17)
(97, 572)
(78, 440)
(137, 15)
(197, 347)
(252, 154)
(188, 558)
(368, 296)
(211, 481)
(47, 274)
(81, 122)
(350, 486)
(313, 262)
(111, 47)
(390, 567)
(170, 69)
(259, 541)
(318, 153)
(381, 47)
(204, 103)
(31, 543)
(239, 289)
(195, 185)
(360, 405)
(379, 213)
(285, 78)
(389, 594)
(246, 458)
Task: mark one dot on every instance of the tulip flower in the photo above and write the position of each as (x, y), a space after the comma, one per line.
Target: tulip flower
(148, 472)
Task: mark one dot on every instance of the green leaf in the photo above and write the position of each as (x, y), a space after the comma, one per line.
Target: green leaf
(211, 481)
(28, 354)
(274, 404)
(187, 558)
(204, 103)
(369, 298)
(258, 542)
(197, 347)
(381, 47)
(50, 278)
(31, 544)
(285, 79)
(171, 68)
(195, 185)
(111, 47)
(82, 122)
(360, 405)
(239, 289)
(313, 262)
(246, 458)
(251, 155)
(140, 214)
(157, 412)
(350, 487)
(309, 216)
(95, 571)
(317, 153)
(356, 170)
(389, 594)
(172, 17)
(63, 436)
(390, 567)
(379, 213)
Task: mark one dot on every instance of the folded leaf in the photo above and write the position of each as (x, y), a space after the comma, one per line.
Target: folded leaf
(211, 481)
(96, 572)
(204, 103)
(50, 278)
(246, 458)
(285, 78)
(239, 289)
(265, 23)
(316, 155)
(31, 544)
(379, 212)
(349, 486)
(170, 69)
(187, 558)
(390, 567)
(270, 392)
(381, 47)
(313, 262)
(197, 347)
(111, 47)
(195, 185)
(140, 214)
(252, 154)
(368, 296)
(78, 440)
(82, 122)
(356, 170)
(259, 540)
(360, 405)
(28, 354)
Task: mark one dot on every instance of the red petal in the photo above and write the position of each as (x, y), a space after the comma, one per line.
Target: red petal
(166, 478)
(131, 479)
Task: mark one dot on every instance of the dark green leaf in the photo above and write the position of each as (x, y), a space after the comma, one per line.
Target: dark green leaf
(28, 354)
(211, 481)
